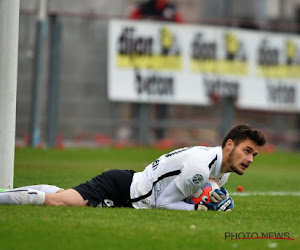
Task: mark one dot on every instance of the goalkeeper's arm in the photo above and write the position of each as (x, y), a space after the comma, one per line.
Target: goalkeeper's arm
(171, 198)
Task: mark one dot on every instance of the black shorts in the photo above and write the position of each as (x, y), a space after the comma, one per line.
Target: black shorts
(109, 189)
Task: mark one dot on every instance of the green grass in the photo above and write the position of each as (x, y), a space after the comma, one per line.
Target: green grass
(29, 227)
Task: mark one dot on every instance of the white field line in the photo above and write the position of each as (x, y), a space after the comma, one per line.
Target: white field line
(264, 193)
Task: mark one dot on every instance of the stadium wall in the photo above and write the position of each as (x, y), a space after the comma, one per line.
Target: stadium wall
(85, 114)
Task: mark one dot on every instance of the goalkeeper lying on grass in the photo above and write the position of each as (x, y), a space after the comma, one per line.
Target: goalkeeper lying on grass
(165, 183)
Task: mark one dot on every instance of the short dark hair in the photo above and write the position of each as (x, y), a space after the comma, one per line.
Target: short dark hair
(242, 132)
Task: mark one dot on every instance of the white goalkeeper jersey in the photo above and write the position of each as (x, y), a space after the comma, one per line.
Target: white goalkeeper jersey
(189, 168)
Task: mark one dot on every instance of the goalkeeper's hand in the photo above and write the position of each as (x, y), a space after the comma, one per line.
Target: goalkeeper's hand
(218, 195)
(224, 205)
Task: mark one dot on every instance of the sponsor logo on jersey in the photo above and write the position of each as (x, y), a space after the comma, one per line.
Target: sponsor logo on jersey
(195, 181)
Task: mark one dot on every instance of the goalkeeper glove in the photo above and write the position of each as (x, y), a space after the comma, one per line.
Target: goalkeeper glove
(224, 205)
(219, 195)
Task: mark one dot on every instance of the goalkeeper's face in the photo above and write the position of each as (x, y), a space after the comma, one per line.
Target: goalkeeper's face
(241, 156)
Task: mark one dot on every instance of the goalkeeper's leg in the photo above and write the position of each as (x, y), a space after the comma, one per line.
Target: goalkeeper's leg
(69, 197)
(34, 194)
(48, 189)
(22, 197)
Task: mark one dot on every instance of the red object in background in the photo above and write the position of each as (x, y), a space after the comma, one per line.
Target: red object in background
(26, 139)
(239, 189)
(60, 142)
(162, 10)
(165, 144)
(102, 139)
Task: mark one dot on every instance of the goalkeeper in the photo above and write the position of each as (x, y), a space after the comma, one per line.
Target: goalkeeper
(165, 183)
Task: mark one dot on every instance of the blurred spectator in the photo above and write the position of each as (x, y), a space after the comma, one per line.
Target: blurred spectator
(161, 10)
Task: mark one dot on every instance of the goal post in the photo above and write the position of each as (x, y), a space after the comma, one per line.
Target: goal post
(9, 37)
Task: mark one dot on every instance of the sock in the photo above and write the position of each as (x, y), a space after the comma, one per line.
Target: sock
(22, 197)
(48, 189)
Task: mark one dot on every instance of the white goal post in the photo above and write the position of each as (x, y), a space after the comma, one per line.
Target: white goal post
(9, 37)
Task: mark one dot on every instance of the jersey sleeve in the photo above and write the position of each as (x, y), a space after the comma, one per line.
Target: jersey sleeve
(171, 198)
(193, 176)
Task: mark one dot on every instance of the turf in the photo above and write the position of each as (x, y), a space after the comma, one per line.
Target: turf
(29, 227)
